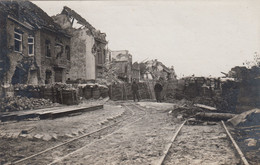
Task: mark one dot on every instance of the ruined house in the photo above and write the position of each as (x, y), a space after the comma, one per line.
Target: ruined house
(155, 70)
(34, 49)
(122, 62)
(88, 46)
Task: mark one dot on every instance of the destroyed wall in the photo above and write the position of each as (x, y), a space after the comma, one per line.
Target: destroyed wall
(123, 65)
(100, 51)
(88, 46)
(155, 70)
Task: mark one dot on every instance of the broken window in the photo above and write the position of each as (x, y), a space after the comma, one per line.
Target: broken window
(48, 48)
(67, 52)
(18, 40)
(31, 46)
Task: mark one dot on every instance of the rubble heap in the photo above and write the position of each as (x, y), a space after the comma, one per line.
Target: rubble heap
(246, 119)
(19, 103)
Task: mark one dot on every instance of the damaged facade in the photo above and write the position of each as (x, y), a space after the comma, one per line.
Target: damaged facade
(88, 46)
(35, 50)
(154, 70)
(122, 62)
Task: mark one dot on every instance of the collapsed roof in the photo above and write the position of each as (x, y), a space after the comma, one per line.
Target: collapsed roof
(80, 20)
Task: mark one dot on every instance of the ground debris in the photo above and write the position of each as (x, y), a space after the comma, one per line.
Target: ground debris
(19, 103)
(248, 118)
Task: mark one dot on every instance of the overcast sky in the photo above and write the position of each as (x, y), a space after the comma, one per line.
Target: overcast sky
(196, 37)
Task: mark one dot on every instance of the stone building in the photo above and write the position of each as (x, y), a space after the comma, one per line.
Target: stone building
(88, 46)
(34, 49)
(155, 70)
(122, 62)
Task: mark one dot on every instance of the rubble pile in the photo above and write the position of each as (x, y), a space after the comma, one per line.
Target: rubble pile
(19, 103)
(184, 109)
(246, 132)
(204, 100)
(57, 93)
(246, 119)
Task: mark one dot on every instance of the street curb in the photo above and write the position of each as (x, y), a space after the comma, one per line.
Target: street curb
(52, 114)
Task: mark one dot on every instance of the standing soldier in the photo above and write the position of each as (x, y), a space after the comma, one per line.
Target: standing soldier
(158, 89)
(135, 91)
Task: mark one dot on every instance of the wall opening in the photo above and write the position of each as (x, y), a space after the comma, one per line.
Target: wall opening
(58, 74)
(20, 76)
(48, 74)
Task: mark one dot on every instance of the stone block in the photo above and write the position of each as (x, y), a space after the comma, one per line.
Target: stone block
(38, 136)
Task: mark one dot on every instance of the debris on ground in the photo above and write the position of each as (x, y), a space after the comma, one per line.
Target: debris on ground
(214, 116)
(19, 103)
(248, 118)
(205, 107)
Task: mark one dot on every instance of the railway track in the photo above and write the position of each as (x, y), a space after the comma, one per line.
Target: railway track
(64, 150)
(167, 159)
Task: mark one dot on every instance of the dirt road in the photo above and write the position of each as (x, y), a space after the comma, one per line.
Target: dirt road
(141, 140)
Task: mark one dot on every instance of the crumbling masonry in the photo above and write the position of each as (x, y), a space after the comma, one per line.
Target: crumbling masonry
(34, 49)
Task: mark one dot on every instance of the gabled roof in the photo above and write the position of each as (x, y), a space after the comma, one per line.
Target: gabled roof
(29, 14)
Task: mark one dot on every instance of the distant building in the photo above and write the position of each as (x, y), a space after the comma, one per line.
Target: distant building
(122, 63)
(155, 70)
(88, 46)
(34, 49)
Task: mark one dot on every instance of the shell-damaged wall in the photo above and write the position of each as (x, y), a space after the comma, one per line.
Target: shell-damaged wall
(82, 58)
(22, 68)
(18, 60)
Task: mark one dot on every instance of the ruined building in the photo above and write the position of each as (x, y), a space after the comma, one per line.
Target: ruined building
(34, 49)
(88, 46)
(122, 63)
(155, 70)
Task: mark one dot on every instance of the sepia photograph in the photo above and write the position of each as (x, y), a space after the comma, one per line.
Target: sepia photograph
(120, 82)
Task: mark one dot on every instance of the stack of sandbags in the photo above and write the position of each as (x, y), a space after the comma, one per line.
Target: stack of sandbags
(116, 91)
(144, 91)
(103, 91)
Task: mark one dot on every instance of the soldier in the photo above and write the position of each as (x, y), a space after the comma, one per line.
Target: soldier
(135, 90)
